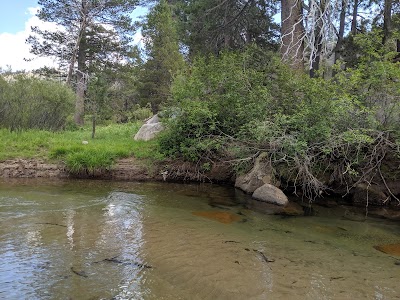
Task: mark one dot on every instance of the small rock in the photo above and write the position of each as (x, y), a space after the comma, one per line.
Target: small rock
(85, 142)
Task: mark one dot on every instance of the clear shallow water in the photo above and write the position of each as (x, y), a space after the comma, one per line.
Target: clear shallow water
(113, 240)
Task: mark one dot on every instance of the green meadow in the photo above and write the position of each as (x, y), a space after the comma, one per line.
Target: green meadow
(111, 143)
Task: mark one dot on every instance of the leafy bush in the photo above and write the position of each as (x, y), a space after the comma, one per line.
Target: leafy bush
(28, 102)
(234, 106)
(374, 87)
(216, 97)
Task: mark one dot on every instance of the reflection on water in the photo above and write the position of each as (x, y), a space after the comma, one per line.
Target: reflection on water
(113, 240)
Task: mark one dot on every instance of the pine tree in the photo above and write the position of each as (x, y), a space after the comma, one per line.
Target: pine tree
(90, 33)
(163, 56)
(210, 26)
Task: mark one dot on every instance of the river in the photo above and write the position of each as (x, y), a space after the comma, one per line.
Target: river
(78, 239)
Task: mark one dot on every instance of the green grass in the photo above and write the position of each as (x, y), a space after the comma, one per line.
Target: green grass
(111, 142)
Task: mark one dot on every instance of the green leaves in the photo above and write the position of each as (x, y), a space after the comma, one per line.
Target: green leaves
(163, 57)
(233, 106)
(28, 102)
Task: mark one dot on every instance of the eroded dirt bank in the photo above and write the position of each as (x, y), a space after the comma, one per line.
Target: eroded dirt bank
(131, 169)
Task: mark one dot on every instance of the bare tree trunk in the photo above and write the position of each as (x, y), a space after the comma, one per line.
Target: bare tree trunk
(387, 21)
(292, 33)
(354, 20)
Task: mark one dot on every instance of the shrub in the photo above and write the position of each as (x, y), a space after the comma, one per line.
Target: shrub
(28, 102)
(234, 106)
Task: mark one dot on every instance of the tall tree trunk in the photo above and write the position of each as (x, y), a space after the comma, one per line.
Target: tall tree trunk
(82, 29)
(317, 41)
(226, 35)
(397, 57)
(292, 33)
(387, 21)
(317, 59)
(354, 20)
(80, 88)
(81, 74)
(341, 30)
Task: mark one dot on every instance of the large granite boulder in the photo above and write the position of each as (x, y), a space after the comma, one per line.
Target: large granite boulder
(364, 194)
(260, 174)
(149, 130)
(270, 194)
(153, 120)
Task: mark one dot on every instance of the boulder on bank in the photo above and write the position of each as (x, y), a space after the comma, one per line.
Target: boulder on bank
(259, 175)
(270, 194)
(371, 193)
(149, 130)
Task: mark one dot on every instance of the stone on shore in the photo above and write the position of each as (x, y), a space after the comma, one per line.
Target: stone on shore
(364, 194)
(260, 174)
(149, 130)
(270, 194)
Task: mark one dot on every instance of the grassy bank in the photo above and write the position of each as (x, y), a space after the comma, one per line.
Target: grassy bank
(111, 142)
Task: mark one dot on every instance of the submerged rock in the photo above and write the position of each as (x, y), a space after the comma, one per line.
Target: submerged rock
(79, 272)
(292, 209)
(385, 213)
(220, 216)
(392, 249)
(270, 194)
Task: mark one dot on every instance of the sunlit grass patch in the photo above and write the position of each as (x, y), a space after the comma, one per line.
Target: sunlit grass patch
(111, 142)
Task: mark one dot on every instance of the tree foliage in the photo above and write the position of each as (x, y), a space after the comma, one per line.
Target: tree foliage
(208, 26)
(163, 56)
(89, 33)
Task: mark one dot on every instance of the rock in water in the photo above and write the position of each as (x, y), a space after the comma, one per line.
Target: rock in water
(149, 130)
(220, 216)
(270, 194)
(392, 249)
